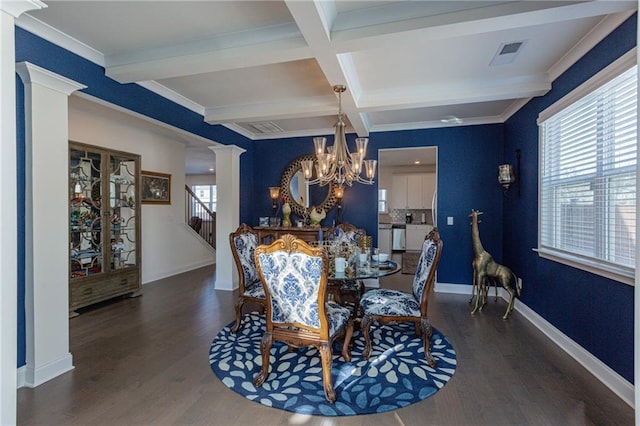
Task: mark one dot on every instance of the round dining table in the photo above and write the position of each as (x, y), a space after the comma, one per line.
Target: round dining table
(347, 288)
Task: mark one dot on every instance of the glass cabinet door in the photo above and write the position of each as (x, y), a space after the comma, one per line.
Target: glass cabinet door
(122, 208)
(104, 232)
(85, 211)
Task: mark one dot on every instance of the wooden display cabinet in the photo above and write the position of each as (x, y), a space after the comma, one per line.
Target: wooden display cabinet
(104, 226)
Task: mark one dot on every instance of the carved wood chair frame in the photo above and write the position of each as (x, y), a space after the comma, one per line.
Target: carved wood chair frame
(421, 324)
(296, 334)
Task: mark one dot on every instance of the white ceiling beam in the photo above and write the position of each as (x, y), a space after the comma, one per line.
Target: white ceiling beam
(315, 20)
(453, 94)
(302, 108)
(435, 124)
(179, 65)
(386, 100)
(474, 21)
(380, 101)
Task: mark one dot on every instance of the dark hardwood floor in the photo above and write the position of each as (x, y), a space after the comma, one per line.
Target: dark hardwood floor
(145, 361)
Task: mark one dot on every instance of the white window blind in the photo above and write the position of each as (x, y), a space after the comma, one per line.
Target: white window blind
(588, 178)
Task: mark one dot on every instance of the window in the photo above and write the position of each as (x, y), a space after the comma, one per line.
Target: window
(587, 205)
(206, 194)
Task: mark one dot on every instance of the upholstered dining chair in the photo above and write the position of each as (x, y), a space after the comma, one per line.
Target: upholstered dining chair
(244, 241)
(393, 306)
(350, 291)
(294, 276)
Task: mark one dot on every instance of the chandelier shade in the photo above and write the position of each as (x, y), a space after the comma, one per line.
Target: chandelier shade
(336, 164)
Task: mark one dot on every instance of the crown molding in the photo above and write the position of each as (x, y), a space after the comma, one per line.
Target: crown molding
(57, 37)
(588, 42)
(165, 92)
(16, 8)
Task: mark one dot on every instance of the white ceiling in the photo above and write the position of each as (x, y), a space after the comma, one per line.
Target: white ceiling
(406, 64)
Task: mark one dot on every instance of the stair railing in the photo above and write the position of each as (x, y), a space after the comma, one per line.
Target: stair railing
(199, 217)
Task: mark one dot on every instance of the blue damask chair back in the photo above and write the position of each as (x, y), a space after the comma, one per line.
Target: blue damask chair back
(425, 263)
(294, 277)
(243, 242)
(293, 282)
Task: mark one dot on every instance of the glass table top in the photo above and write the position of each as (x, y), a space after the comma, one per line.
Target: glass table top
(375, 271)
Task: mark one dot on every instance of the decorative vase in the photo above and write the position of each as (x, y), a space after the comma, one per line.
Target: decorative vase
(286, 213)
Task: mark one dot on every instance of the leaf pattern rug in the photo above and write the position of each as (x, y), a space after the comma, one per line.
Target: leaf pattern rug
(396, 374)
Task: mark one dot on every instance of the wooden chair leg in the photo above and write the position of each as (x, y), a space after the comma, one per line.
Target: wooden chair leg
(416, 327)
(346, 352)
(427, 331)
(265, 348)
(365, 325)
(236, 327)
(327, 358)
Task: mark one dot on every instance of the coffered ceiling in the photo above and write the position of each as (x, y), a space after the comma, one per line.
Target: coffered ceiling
(266, 68)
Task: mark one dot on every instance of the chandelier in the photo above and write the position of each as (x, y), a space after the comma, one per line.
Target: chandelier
(336, 164)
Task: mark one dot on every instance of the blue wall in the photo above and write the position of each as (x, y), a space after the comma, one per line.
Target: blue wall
(468, 159)
(595, 312)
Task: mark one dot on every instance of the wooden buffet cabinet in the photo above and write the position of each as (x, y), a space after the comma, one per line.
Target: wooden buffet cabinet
(268, 234)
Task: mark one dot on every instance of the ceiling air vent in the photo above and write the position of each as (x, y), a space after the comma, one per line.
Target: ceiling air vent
(507, 52)
(268, 127)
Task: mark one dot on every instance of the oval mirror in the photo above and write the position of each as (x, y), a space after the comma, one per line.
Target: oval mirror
(300, 195)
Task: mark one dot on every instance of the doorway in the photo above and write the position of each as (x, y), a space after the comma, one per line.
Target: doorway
(407, 201)
(401, 162)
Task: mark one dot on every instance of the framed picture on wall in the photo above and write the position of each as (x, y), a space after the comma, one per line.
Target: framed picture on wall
(156, 188)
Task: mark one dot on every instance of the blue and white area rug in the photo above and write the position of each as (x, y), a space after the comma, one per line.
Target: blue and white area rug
(396, 374)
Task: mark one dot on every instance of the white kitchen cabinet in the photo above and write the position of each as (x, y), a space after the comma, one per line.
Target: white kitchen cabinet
(398, 196)
(415, 236)
(412, 191)
(428, 189)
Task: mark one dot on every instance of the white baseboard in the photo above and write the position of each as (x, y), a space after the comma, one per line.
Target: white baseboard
(185, 268)
(599, 369)
(618, 384)
(33, 377)
(20, 375)
(452, 288)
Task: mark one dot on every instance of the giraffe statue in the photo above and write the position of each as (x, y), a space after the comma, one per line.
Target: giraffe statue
(485, 269)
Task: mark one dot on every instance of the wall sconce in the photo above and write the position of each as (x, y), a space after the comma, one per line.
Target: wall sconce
(274, 193)
(507, 176)
(339, 193)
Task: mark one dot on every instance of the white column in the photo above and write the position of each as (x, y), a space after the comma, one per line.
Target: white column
(8, 214)
(228, 212)
(47, 222)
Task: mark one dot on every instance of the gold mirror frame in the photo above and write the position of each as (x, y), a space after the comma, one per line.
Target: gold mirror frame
(285, 189)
